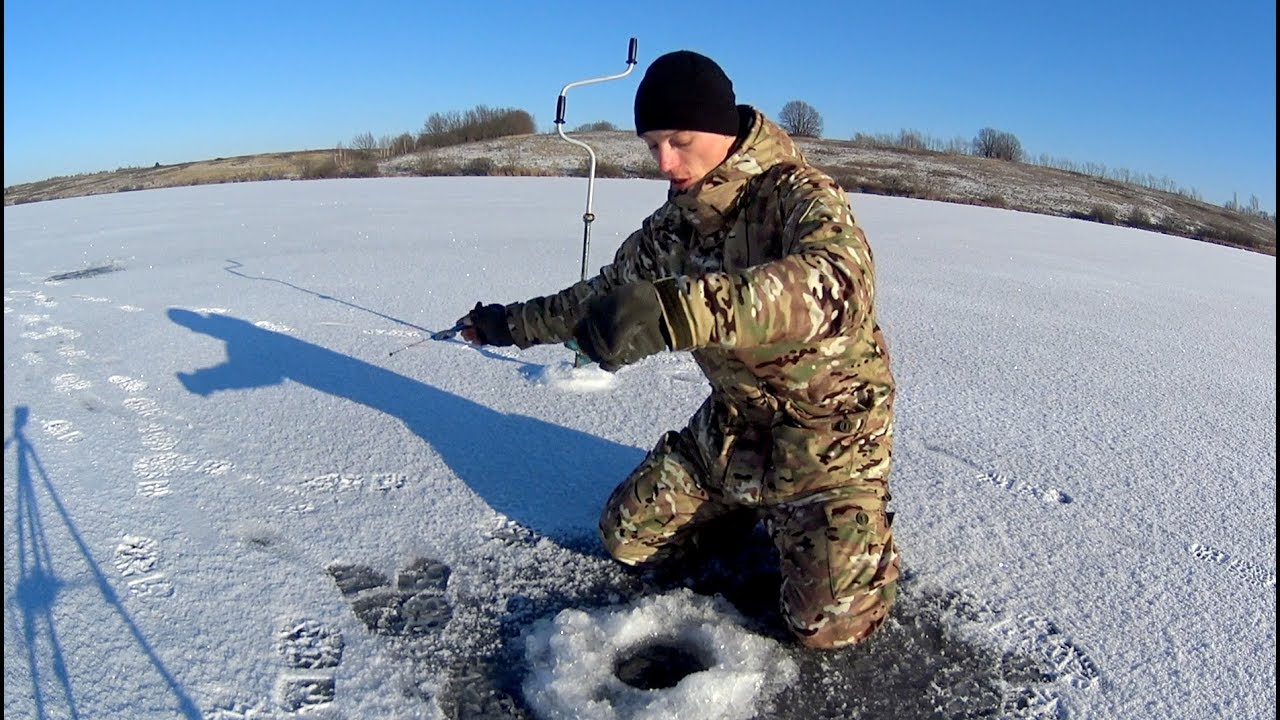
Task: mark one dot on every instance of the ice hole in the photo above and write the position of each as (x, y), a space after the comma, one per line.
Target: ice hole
(662, 657)
(657, 665)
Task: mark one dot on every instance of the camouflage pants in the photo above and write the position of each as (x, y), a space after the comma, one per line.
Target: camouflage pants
(837, 556)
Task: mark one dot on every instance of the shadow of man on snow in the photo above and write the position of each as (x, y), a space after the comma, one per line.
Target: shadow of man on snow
(548, 478)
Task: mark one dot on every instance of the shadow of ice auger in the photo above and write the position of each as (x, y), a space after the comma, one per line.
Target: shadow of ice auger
(38, 587)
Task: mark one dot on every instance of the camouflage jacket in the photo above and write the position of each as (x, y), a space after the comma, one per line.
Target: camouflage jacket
(766, 277)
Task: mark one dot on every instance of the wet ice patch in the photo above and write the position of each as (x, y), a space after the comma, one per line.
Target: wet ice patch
(577, 656)
(85, 273)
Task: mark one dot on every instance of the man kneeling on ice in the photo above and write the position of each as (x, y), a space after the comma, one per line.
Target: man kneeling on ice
(756, 265)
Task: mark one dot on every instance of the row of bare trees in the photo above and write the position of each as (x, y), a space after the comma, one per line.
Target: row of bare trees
(797, 117)
(448, 128)
(801, 119)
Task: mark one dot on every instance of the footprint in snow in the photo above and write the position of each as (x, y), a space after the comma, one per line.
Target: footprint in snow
(415, 606)
(311, 652)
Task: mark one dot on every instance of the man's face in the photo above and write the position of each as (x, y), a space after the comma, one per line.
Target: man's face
(686, 156)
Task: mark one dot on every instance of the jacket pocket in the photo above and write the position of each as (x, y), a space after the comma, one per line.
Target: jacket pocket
(834, 452)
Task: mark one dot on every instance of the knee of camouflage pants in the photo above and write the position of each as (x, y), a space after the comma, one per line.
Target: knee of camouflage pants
(655, 504)
(839, 568)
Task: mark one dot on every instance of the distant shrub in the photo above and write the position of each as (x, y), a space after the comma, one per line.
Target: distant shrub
(647, 169)
(360, 168)
(892, 184)
(257, 176)
(866, 140)
(1138, 218)
(479, 166)
(1097, 213)
(604, 169)
(319, 169)
(514, 170)
(478, 123)
(430, 165)
(1234, 237)
(913, 140)
(598, 126)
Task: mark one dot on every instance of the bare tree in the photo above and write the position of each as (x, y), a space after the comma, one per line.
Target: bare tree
(992, 143)
(912, 140)
(402, 144)
(364, 141)
(441, 123)
(800, 119)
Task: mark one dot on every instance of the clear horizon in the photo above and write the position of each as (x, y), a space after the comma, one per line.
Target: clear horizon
(1185, 92)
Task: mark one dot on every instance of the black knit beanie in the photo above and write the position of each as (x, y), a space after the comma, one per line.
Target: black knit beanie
(683, 90)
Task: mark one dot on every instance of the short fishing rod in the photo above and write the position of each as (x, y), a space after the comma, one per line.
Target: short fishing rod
(587, 217)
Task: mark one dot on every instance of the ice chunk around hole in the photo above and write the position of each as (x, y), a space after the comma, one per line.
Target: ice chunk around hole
(575, 658)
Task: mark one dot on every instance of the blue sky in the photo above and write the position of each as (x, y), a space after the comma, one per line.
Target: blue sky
(1184, 90)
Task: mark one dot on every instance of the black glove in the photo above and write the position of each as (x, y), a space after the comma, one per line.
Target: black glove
(623, 327)
(488, 324)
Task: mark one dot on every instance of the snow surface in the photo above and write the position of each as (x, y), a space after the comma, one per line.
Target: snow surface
(240, 482)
